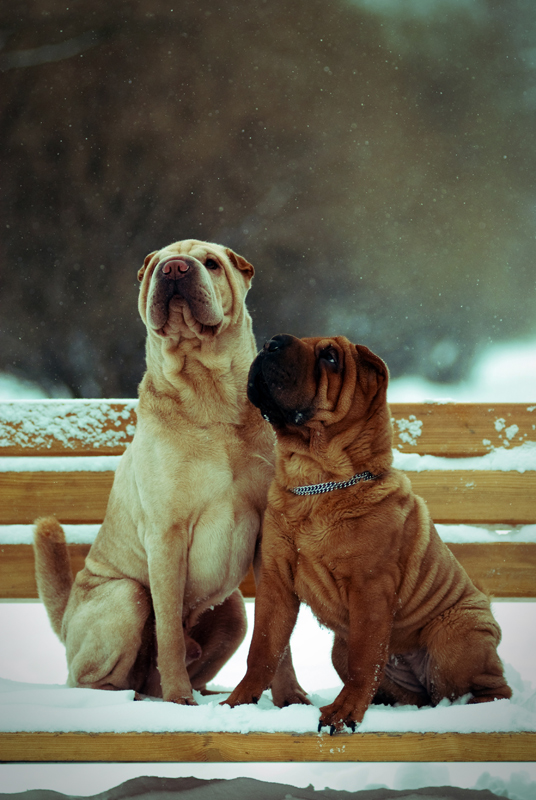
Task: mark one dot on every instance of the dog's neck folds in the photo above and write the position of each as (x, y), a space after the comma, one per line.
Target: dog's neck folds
(314, 456)
(330, 486)
(205, 378)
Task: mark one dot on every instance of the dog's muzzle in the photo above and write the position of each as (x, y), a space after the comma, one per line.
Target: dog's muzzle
(187, 278)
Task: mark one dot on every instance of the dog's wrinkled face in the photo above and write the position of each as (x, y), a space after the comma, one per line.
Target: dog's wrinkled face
(297, 381)
(192, 288)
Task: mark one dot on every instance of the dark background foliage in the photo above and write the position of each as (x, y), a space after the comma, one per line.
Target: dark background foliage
(375, 164)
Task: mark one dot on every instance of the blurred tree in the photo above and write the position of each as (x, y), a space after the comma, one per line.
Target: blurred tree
(375, 165)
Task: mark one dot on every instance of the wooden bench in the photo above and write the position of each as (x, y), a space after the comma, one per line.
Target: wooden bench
(78, 494)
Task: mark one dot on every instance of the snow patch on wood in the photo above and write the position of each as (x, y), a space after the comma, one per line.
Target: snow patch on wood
(27, 423)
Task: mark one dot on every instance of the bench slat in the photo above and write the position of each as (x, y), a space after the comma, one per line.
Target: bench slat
(472, 497)
(502, 569)
(73, 497)
(66, 427)
(266, 747)
(83, 427)
(460, 429)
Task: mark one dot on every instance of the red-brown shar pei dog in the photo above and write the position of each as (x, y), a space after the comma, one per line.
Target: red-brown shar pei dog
(362, 552)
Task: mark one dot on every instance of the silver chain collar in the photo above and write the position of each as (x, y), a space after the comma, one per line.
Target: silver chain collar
(330, 486)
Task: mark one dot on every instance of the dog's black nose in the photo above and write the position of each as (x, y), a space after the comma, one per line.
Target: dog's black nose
(278, 342)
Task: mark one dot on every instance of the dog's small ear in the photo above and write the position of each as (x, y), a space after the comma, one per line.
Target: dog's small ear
(141, 272)
(240, 263)
(364, 354)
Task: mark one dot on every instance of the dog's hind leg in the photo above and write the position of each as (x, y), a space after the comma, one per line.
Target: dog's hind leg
(106, 628)
(391, 693)
(403, 681)
(286, 691)
(219, 632)
(462, 644)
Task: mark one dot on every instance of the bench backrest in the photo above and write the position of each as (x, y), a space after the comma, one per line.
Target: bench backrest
(54, 459)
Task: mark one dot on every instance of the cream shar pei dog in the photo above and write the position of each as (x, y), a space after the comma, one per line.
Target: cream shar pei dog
(156, 607)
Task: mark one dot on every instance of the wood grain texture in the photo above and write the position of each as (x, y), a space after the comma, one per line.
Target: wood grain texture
(266, 747)
(472, 497)
(72, 497)
(502, 569)
(17, 570)
(448, 429)
(463, 429)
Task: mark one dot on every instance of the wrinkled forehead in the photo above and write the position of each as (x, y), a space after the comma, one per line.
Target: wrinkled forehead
(314, 341)
(194, 248)
(317, 343)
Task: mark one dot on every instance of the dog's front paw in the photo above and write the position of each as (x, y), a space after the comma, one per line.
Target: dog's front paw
(345, 710)
(242, 696)
(292, 695)
(180, 699)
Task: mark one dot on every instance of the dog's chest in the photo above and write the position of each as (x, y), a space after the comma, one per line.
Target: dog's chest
(322, 578)
(222, 533)
(221, 551)
(204, 485)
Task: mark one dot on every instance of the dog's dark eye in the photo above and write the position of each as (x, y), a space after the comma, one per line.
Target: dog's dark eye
(211, 263)
(330, 355)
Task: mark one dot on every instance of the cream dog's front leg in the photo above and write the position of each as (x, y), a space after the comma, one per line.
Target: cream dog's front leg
(168, 564)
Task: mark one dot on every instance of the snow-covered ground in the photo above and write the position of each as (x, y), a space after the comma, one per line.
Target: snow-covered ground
(505, 373)
(29, 703)
(13, 389)
(34, 656)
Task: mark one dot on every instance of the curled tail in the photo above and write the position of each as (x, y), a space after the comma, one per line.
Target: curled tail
(53, 572)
